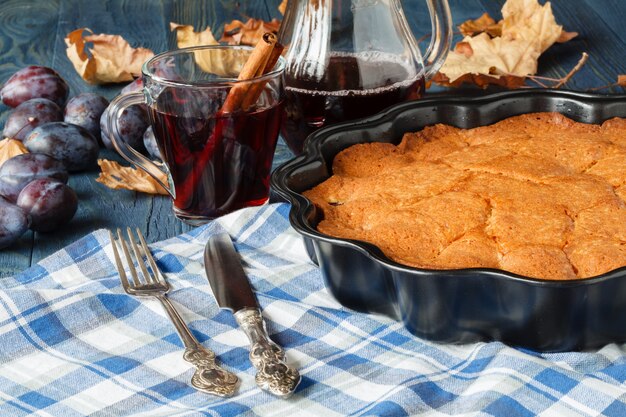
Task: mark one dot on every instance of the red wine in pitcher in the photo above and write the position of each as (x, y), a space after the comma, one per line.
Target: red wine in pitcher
(220, 163)
(343, 94)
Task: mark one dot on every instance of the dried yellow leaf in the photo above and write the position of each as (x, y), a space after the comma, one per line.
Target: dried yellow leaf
(493, 57)
(282, 6)
(486, 23)
(529, 21)
(528, 29)
(226, 65)
(187, 37)
(117, 177)
(110, 59)
(248, 33)
(10, 148)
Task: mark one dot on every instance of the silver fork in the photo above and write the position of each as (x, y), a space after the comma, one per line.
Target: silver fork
(208, 377)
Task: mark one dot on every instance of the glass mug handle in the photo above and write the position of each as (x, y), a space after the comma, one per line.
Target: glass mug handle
(441, 20)
(116, 109)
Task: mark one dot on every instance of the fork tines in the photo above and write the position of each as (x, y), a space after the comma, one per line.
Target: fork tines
(142, 254)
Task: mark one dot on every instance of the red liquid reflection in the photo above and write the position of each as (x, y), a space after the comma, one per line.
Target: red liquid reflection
(218, 164)
(341, 96)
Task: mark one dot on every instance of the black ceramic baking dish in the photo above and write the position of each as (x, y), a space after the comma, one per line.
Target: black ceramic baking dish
(463, 305)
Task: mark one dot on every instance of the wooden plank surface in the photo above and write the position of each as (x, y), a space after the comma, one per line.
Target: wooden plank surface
(33, 31)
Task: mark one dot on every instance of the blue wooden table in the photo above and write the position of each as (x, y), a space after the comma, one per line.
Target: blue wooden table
(33, 32)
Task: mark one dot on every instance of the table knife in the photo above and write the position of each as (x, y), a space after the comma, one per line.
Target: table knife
(232, 291)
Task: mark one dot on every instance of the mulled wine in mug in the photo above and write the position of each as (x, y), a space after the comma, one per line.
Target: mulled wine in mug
(216, 128)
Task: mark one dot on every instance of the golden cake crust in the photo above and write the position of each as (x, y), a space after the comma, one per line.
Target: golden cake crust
(539, 195)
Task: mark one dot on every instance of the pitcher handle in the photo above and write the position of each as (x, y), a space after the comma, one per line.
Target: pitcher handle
(121, 103)
(440, 42)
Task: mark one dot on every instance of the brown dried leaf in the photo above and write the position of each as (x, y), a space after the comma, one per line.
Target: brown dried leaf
(110, 59)
(10, 148)
(621, 80)
(566, 36)
(249, 33)
(484, 23)
(528, 29)
(508, 81)
(282, 7)
(117, 177)
(464, 48)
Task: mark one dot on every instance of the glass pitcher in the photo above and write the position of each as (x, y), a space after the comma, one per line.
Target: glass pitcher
(352, 58)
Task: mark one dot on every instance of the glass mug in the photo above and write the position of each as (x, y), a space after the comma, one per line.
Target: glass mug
(215, 162)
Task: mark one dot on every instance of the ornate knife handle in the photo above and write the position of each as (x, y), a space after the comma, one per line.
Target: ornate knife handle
(273, 374)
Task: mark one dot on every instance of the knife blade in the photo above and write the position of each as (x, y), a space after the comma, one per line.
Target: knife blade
(232, 291)
(226, 276)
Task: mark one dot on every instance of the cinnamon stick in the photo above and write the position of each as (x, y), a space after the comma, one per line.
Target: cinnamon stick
(257, 88)
(254, 67)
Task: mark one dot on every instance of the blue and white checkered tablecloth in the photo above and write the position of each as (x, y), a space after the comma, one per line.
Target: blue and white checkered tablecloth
(72, 343)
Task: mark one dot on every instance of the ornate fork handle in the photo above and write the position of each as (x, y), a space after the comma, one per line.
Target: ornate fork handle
(208, 377)
(273, 374)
